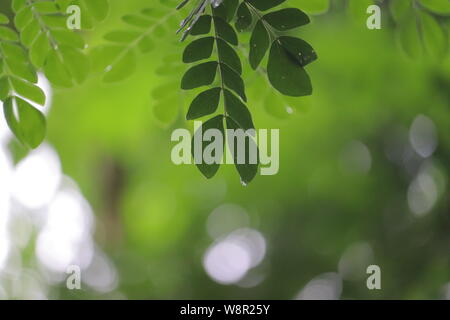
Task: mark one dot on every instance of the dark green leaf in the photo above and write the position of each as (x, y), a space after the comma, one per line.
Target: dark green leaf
(205, 103)
(299, 49)
(233, 80)
(225, 31)
(199, 75)
(285, 74)
(221, 11)
(208, 170)
(237, 110)
(228, 56)
(264, 5)
(230, 8)
(259, 44)
(248, 168)
(202, 26)
(198, 50)
(182, 4)
(286, 19)
(244, 17)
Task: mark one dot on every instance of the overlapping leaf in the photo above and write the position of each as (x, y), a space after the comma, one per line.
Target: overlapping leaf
(18, 88)
(419, 29)
(91, 11)
(288, 55)
(227, 69)
(52, 46)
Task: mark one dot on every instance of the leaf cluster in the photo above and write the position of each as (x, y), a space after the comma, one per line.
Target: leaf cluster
(210, 22)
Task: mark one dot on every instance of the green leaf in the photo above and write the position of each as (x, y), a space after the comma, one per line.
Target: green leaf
(21, 70)
(227, 9)
(225, 31)
(4, 88)
(97, 8)
(199, 75)
(228, 56)
(259, 44)
(29, 33)
(244, 17)
(14, 51)
(18, 4)
(247, 170)
(3, 19)
(202, 26)
(208, 170)
(28, 90)
(56, 71)
(233, 80)
(433, 36)
(264, 5)
(204, 104)
(399, 8)
(26, 122)
(286, 19)
(92, 11)
(39, 50)
(22, 18)
(76, 63)
(285, 74)
(231, 7)
(198, 50)
(68, 38)
(43, 29)
(237, 110)
(7, 34)
(299, 49)
(409, 37)
(441, 7)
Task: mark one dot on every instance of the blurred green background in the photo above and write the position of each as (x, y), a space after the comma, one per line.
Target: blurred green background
(363, 180)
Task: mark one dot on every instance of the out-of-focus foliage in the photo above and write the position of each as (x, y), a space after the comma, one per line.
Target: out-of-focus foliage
(364, 166)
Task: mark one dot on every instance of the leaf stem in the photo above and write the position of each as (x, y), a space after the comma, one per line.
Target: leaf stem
(222, 85)
(268, 27)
